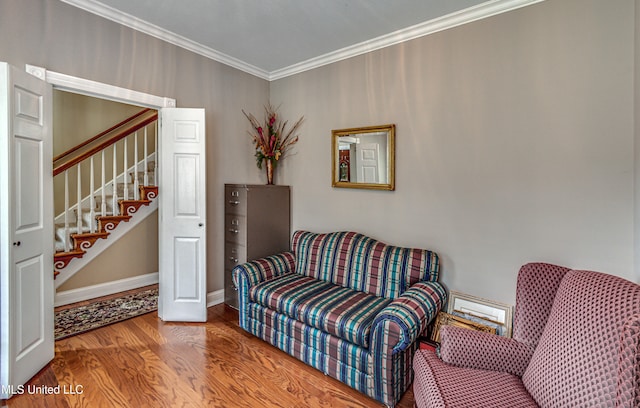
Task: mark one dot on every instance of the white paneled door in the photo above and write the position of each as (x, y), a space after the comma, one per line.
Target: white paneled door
(367, 156)
(182, 216)
(26, 228)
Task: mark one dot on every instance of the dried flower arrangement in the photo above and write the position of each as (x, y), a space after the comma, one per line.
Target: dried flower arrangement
(273, 139)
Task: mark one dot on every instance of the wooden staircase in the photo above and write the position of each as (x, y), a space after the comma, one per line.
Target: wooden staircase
(96, 215)
(81, 242)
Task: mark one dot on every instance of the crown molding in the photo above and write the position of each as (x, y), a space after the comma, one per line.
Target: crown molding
(153, 30)
(481, 11)
(471, 14)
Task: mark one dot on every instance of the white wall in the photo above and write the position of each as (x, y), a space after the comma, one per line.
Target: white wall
(515, 143)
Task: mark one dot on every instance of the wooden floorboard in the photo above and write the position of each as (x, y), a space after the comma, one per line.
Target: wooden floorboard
(145, 362)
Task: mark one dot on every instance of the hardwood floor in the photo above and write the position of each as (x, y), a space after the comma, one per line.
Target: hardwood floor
(145, 362)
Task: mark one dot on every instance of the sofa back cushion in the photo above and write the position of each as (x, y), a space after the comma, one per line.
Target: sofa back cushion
(584, 346)
(355, 261)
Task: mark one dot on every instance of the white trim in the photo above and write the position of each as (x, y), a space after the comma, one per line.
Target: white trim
(483, 10)
(153, 30)
(97, 89)
(103, 289)
(109, 288)
(471, 14)
(215, 297)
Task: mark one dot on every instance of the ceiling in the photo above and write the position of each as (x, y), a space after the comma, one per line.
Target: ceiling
(276, 38)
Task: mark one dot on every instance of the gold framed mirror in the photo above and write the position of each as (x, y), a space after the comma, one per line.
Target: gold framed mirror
(364, 157)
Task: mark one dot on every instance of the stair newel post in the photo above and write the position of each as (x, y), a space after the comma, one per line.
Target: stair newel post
(114, 202)
(79, 198)
(146, 154)
(92, 199)
(103, 201)
(66, 211)
(124, 172)
(136, 193)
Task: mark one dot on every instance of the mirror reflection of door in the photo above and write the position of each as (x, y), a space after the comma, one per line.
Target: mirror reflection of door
(367, 162)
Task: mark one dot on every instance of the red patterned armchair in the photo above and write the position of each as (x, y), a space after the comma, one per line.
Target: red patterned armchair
(576, 343)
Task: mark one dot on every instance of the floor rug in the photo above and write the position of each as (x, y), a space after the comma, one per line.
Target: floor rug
(81, 319)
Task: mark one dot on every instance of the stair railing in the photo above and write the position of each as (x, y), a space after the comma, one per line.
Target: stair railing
(121, 134)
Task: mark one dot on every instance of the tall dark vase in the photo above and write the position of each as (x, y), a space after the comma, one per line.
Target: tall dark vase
(270, 167)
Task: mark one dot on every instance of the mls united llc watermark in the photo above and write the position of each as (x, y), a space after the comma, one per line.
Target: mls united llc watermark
(42, 389)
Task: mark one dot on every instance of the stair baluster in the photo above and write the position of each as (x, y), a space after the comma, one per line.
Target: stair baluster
(66, 211)
(136, 192)
(79, 204)
(126, 188)
(145, 180)
(114, 203)
(92, 199)
(103, 201)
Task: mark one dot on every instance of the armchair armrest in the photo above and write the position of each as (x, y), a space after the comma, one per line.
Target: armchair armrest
(251, 273)
(473, 349)
(404, 319)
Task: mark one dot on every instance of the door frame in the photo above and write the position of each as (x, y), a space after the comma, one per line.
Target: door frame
(88, 87)
(68, 83)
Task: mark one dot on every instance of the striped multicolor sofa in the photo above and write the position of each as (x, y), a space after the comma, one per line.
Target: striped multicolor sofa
(346, 304)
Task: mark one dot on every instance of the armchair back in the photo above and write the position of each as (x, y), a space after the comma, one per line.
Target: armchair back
(535, 292)
(589, 351)
(355, 261)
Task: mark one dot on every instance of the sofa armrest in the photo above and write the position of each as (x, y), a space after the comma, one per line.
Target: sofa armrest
(404, 319)
(260, 270)
(473, 349)
(251, 273)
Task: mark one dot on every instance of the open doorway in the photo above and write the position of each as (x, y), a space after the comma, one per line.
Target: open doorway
(131, 261)
(182, 193)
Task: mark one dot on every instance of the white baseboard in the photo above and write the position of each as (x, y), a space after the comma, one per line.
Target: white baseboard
(215, 298)
(109, 288)
(103, 289)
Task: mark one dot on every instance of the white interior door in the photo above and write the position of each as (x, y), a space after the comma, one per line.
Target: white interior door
(182, 216)
(367, 162)
(26, 228)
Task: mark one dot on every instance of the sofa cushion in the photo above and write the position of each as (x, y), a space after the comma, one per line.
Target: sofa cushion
(438, 385)
(343, 312)
(361, 263)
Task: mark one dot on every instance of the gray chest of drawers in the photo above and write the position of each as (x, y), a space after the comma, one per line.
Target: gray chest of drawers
(257, 224)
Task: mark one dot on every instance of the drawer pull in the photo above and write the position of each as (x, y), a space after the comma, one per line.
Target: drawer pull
(234, 202)
(233, 230)
(234, 260)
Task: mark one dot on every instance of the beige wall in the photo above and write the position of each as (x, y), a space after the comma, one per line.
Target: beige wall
(77, 118)
(515, 141)
(65, 39)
